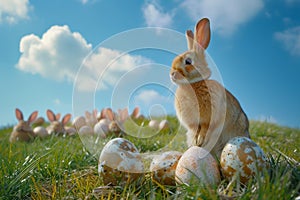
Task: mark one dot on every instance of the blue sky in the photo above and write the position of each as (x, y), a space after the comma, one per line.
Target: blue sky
(255, 46)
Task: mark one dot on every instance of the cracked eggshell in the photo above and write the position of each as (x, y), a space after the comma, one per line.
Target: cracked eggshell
(163, 167)
(197, 166)
(244, 157)
(120, 163)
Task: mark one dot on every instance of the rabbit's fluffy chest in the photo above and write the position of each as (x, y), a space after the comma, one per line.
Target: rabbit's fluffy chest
(187, 108)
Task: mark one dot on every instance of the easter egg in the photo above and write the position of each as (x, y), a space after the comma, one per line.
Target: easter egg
(85, 130)
(40, 131)
(243, 157)
(78, 122)
(154, 124)
(101, 128)
(197, 166)
(163, 167)
(164, 125)
(120, 163)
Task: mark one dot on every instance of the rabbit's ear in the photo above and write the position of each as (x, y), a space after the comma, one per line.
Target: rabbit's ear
(19, 114)
(32, 117)
(88, 114)
(124, 115)
(202, 33)
(51, 115)
(135, 113)
(57, 116)
(103, 113)
(66, 119)
(95, 112)
(190, 39)
(110, 114)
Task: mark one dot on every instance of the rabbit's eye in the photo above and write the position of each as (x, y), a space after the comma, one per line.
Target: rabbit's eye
(188, 61)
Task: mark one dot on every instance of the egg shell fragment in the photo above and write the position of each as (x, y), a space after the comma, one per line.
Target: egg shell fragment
(163, 167)
(120, 163)
(244, 157)
(197, 165)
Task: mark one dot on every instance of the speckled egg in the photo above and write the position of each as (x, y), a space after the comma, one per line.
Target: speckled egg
(163, 167)
(85, 130)
(120, 163)
(197, 166)
(243, 156)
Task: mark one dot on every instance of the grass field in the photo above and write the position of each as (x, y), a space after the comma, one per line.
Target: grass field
(63, 168)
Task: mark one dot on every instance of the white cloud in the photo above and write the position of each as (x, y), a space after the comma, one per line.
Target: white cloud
(151, 97)
(13, 10)
(105, 67)
(155, 17)
(226, 16)
(290, 39)
(59, 53)
(84, 1)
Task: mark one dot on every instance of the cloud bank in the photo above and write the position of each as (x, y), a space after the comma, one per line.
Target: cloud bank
(226, 16)
(155, 17)
(59, 54)
(11, 11)
(290, 39)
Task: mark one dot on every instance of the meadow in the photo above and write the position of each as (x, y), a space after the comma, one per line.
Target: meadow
(63, 168)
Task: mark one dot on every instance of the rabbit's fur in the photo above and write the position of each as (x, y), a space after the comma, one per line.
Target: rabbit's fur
(57, 127)
(23, 130)
(116, 121)
(210, 113)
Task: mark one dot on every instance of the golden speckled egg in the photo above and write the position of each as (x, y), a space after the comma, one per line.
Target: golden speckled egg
(197, 165)
(243, 156)
(163, 167)
(120, 163)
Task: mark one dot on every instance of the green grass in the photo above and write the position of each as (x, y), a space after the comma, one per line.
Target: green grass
(60, 168)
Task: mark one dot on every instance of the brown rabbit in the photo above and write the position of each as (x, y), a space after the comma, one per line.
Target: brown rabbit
(57, 127)
(210, 113)
(23, 130)
(116, 121)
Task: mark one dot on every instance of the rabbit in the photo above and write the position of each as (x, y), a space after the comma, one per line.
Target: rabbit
(91, 118)
(23, 130)
(116, 121)
(38, 122)
(57, 127)
(209, 112)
